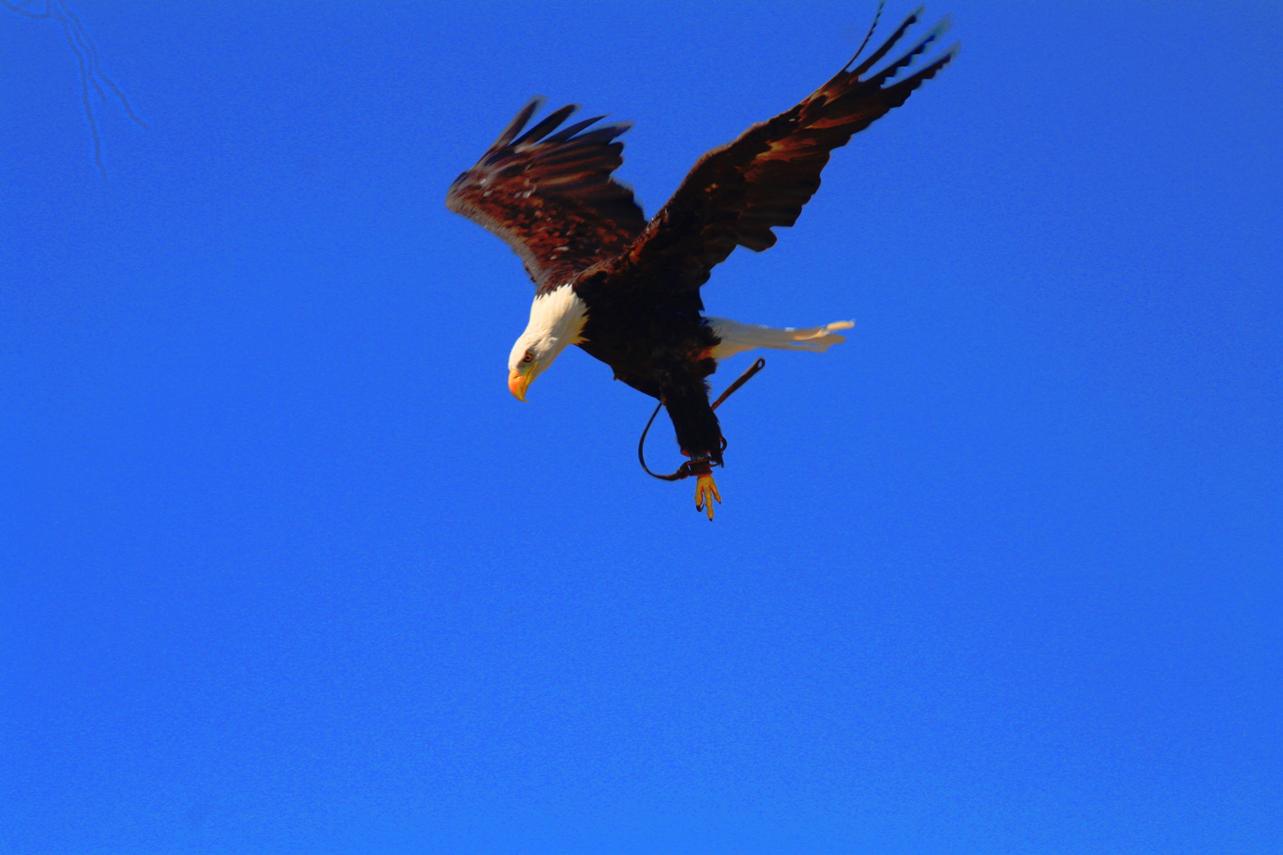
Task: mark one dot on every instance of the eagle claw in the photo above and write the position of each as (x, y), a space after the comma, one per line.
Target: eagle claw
(705, 493)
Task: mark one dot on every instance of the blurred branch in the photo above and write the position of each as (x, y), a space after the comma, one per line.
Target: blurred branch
(91, 73)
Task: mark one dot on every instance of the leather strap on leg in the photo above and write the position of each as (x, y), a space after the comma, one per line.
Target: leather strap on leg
(696, 465)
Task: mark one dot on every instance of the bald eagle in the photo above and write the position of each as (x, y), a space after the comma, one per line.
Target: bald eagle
(626, 290)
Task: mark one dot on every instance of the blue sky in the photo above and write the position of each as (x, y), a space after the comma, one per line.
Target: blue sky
(286, 569)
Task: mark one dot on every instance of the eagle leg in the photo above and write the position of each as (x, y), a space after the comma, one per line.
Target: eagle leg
(705, 487)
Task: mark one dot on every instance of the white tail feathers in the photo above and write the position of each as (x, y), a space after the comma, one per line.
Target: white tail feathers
(737, 337)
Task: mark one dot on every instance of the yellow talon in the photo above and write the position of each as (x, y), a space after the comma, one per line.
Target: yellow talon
(705, 493)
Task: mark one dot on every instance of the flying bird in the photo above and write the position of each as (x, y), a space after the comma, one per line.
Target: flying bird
(627, 290)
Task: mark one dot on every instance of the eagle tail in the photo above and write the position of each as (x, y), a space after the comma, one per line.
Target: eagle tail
(737, 337)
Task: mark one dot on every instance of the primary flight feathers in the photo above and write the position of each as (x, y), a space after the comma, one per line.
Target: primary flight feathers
(552, 198)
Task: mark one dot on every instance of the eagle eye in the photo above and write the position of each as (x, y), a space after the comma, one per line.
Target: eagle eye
(529, 357)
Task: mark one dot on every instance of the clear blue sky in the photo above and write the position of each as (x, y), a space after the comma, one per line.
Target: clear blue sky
(284, 568)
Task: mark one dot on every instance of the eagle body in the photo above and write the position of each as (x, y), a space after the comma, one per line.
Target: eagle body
(628, 290)
(658, 342)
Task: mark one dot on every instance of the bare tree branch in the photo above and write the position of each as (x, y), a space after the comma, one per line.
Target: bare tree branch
(91, 73)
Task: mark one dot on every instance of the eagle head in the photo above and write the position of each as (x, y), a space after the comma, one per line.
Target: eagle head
(557, 319)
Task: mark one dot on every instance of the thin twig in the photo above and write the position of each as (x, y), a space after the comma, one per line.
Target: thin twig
(91, 74)
(25, 12)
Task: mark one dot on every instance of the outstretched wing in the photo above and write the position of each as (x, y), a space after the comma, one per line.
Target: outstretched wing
(550, 195)
(736, 194)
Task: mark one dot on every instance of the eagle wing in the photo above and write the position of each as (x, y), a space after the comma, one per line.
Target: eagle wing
(736, 194)
(550, 195)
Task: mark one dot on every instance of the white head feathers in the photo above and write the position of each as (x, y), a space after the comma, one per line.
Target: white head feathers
(557, 321)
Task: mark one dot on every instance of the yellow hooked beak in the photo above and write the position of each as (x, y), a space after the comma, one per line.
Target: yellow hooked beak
(518, 383)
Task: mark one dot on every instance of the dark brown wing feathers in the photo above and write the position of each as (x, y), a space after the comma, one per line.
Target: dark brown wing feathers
(735, 195)
(551, 195)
